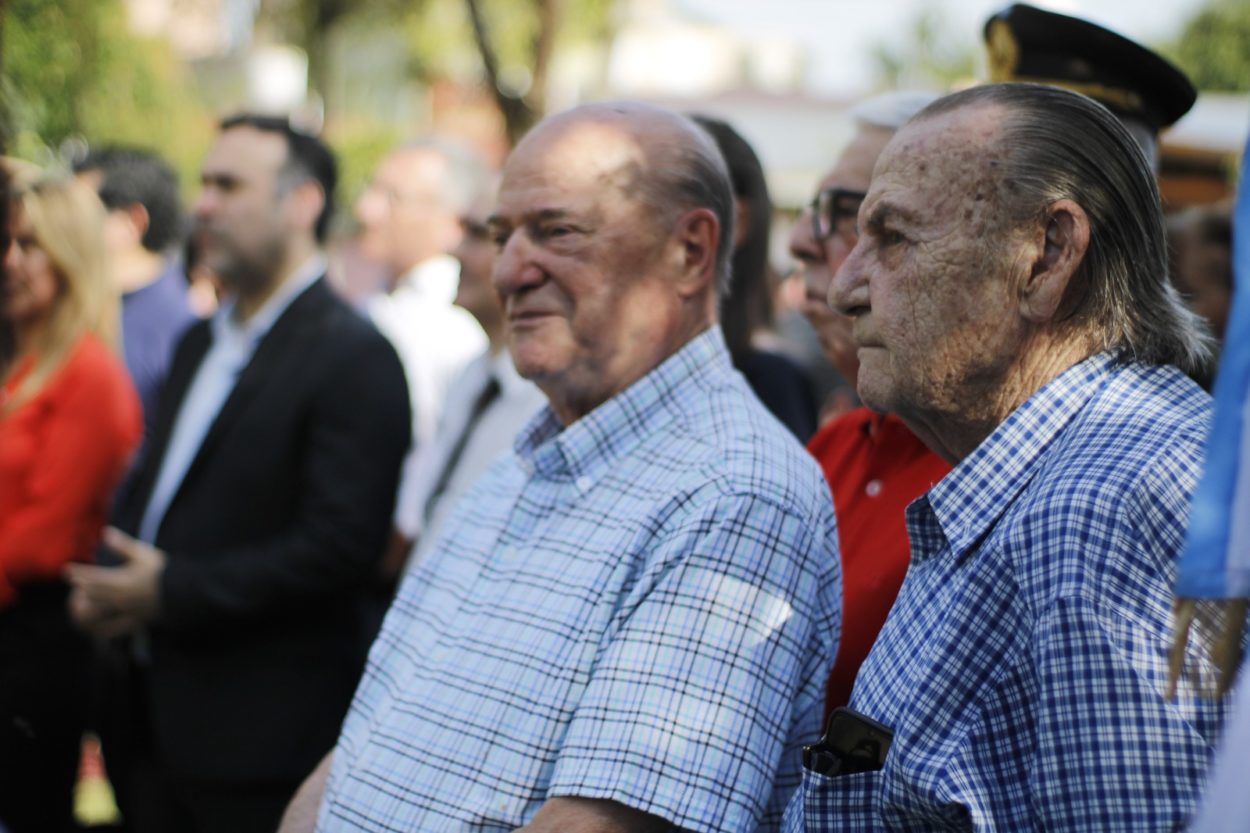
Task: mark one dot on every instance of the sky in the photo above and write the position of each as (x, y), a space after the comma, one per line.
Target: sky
(840, 34)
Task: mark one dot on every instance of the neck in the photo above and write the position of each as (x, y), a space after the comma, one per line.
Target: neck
(249, 303)
(572, 404)
(401, 272)
(26, 336)
(977, 410)
(136, 269)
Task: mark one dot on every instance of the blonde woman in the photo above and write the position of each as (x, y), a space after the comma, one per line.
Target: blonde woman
(69, 422)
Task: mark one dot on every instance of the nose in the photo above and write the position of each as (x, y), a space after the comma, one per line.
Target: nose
(848, 291)
(10, 256)
(205, 202)
(803, 245)
(515, 266)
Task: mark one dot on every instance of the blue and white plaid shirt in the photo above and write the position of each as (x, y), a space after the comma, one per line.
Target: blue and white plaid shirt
(1023, 667)
(640, 607)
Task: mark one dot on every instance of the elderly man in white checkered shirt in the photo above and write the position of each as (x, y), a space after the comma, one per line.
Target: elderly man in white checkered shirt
(1010, 301)
(627, 622)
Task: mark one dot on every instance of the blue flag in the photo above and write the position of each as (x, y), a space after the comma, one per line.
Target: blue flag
(1215, 565)
(1216, 561)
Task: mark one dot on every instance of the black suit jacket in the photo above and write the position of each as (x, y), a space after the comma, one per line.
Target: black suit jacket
(278, 525)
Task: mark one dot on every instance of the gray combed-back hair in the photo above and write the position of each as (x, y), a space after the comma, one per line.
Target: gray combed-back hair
(1055, 144)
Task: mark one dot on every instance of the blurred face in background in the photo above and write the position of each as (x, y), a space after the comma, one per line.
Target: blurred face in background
(839, 196)
(476, 253)
(404, 214)
(243, 222)
(30, 285)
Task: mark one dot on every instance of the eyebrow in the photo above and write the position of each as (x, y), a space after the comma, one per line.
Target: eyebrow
(221, 180)
(543, 215)
(884, 212)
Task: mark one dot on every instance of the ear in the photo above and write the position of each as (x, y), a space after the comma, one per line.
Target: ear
(138, 218)
(305, 203)
(696, 237)
(1065, 240)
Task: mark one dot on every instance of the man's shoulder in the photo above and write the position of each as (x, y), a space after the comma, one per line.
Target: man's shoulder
(1111, 498)
(338, 326)
(741, 448)
(1142, 420)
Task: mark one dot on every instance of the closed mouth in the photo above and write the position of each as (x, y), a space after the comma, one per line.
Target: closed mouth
(521, 316)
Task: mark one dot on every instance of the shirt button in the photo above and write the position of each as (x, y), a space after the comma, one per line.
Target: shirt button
(583, 483)
(873, 488)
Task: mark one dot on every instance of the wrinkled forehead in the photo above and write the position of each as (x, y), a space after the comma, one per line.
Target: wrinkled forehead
(946, 154)
(583, 157)
(245, 152)
(853, 168)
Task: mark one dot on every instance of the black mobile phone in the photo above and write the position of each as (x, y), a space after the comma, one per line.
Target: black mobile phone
(852, 743)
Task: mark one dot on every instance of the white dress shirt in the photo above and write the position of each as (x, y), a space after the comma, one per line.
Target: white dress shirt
(434, 338)
(233, 346)
(492, 434)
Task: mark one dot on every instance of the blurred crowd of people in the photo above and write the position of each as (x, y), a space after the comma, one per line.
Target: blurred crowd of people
(517, 511)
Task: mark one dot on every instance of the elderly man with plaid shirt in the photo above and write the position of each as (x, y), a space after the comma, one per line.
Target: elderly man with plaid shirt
(626, 623)
(1011, 303)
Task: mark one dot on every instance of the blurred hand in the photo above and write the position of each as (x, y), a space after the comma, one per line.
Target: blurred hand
(114, 601)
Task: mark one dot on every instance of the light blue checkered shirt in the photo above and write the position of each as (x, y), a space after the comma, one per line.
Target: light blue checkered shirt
(640, 607)
(1023, 666)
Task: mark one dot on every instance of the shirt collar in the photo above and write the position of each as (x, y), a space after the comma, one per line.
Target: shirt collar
(586, 449)
(225, 326)
(969, 500)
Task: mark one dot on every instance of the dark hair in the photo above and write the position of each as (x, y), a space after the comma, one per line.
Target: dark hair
(1213, 226)
(1055, 144)
(307, 158)
(129, 176)
(746, 303)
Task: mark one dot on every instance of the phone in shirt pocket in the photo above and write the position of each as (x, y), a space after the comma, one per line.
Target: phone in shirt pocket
(851, 743)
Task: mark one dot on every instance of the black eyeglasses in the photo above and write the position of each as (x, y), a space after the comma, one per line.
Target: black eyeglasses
(834, 211)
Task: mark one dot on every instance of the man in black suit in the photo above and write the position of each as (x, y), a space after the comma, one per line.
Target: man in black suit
(263, 505)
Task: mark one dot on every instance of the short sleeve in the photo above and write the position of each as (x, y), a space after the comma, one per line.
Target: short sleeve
(713, 665)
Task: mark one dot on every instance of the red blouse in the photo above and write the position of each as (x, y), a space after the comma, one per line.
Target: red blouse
(61, 455)
(875, 467)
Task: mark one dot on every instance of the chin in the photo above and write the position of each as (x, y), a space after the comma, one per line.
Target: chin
(532, 362)
(874, 391)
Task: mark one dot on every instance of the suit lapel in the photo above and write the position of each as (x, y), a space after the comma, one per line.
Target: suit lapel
(279, 345)
(187, 359)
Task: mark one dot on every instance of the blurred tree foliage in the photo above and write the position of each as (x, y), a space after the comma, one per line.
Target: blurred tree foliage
(507, 44)
(74, 71)
(927, 54)
(1214, 47)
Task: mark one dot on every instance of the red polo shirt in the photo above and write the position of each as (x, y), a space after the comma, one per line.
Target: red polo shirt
(875, 467)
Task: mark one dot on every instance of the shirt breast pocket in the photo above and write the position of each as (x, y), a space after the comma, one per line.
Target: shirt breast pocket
(843, 802)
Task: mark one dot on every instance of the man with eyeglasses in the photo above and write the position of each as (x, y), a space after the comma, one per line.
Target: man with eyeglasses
(489, 404)
(874, 464)
(410, 222)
